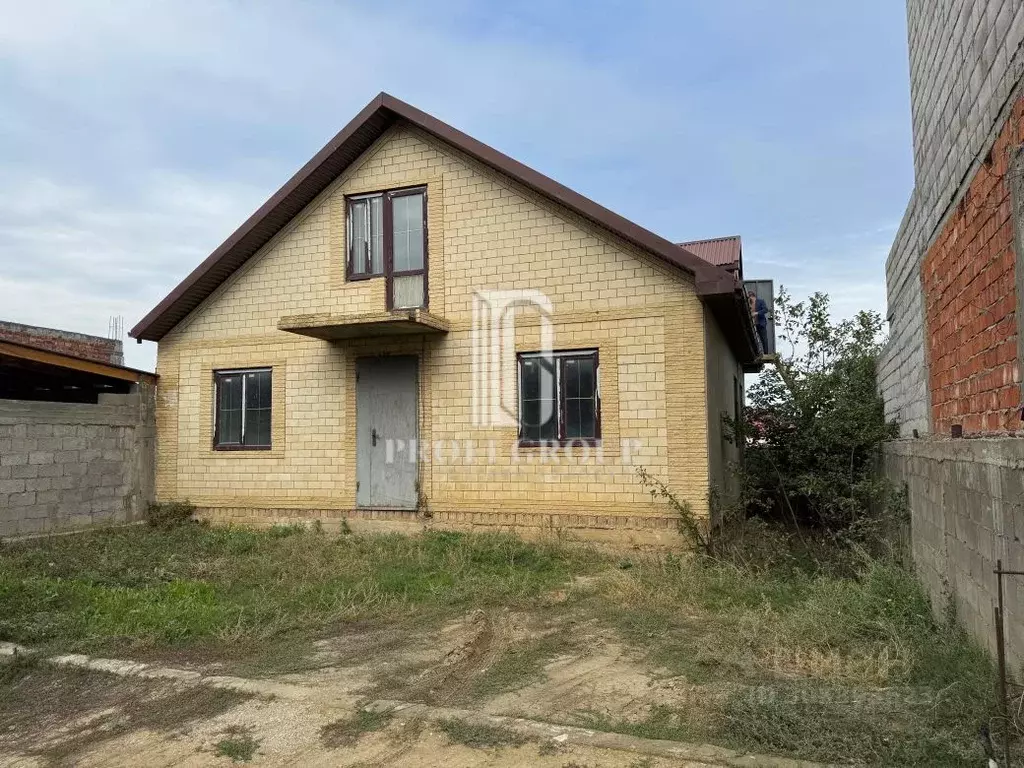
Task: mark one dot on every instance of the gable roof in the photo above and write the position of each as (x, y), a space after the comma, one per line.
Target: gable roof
(724, 252)
(340, 152)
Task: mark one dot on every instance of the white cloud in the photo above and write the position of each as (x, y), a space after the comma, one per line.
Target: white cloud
(73, 256)
(95, 221)
(135, 137)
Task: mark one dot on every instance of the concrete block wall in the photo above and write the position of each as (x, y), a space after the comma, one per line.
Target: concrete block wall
(954, 291)
(72, 465)
(96, 348)
(967, 498)
(903, 368)
(966, 64)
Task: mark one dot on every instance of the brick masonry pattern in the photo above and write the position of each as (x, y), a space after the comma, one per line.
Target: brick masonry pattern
(967, 514)
(94, 348)
(970, 297)
(486, 232)
(72, 465)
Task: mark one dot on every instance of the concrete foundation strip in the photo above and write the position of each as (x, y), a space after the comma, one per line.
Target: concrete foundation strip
(584, 737)
(532, 729)
(124, 668)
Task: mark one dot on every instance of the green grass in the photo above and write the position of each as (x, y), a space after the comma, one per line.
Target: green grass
(844, 665)
(239, 745)
(343, 733)
(480, 735)
(136, 588)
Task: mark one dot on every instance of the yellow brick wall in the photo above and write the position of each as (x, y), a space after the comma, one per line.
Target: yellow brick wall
(485, 232)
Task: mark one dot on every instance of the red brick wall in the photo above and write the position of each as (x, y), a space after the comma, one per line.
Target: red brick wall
(76, 344)
(970, 303)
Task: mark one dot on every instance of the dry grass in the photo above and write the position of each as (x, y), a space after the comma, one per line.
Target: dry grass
(845, 666)
(345, 733)
(851, 670)
(480, 735)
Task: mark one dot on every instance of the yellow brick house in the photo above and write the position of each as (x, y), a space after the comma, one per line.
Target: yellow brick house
(418, 330)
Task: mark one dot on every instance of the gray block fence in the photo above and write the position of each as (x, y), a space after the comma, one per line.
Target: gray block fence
(65, 466)
(967, 507)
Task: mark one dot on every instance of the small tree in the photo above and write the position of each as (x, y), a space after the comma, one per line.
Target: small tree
(815, 422)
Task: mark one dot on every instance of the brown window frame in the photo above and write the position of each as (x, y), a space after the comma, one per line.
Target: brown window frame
(218, 376)
(388, 241)
(560, 357)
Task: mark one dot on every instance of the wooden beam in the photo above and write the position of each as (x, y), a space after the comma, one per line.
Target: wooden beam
(46, 357)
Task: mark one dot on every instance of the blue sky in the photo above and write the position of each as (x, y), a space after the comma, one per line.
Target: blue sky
(134, 137)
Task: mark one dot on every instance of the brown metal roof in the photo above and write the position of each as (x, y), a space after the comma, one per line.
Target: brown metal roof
(721, 251)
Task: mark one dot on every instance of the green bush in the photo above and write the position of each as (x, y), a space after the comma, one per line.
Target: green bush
(169, 514)
(814, 425)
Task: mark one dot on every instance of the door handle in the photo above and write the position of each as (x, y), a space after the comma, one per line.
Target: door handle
(373, 437)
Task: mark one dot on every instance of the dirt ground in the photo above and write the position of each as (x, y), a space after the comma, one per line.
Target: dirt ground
(494, 664)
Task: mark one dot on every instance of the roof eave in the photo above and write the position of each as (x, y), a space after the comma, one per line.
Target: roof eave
(728, 304)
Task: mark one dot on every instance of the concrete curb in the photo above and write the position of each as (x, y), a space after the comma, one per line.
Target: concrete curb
(533, 729)
(124, 668)
(568, 734)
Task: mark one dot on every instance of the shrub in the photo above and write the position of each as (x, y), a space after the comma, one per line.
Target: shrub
(693, 528)
(169, 514)
(814, 426)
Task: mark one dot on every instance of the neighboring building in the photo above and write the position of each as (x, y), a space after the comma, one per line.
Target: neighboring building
(350, 351)
(724, 252)
(96, 348)
(952, 364)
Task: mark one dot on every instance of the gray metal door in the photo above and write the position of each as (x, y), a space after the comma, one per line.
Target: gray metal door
(386, 432)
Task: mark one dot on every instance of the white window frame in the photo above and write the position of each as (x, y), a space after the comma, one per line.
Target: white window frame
(349, 253)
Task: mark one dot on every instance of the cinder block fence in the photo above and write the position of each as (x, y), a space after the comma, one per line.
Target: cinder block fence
(967, 498)
(71, 465)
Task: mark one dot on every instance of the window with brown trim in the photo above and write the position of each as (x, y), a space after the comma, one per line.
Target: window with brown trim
(559, 398)
(387, 236)
(242, 415)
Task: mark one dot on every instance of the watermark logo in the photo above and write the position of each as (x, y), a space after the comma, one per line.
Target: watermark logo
(494, 367)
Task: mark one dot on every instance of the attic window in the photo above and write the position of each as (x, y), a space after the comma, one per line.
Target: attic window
(366, 236)
(387, 236)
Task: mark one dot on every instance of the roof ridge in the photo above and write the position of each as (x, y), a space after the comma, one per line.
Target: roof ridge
(711, 239)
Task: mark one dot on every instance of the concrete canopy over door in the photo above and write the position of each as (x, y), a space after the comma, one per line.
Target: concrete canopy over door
(387, 434)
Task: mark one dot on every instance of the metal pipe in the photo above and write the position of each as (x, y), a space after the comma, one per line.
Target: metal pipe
(1004, 707)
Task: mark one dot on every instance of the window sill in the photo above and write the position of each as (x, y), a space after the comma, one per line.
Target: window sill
(580, 442)
(242, 448)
